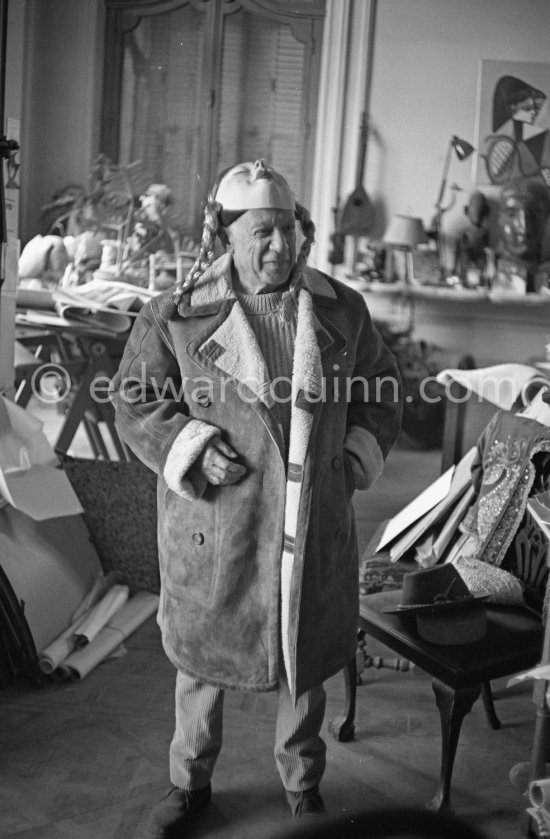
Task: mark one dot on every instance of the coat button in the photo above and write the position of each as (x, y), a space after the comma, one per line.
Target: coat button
(337, 463)
(204, 400)
(198, 538)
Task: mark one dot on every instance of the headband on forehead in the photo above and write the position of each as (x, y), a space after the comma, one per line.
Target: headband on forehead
(254, 186)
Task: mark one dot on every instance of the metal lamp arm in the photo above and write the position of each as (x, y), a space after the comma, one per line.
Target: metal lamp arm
(443, 185)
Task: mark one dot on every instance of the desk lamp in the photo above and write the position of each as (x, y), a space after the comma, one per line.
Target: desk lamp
(463, 150)
(405, 233)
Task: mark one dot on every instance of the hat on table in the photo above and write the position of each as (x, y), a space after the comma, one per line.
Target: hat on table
(446, 612)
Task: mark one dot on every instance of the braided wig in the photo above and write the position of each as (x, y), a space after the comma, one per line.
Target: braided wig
(211, 228)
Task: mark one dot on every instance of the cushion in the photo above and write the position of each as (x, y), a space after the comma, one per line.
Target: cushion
(120, 510)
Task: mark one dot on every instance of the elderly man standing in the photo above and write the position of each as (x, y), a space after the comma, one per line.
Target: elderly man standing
(263, 396)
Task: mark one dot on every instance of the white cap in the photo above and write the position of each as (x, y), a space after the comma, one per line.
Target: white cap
(254, 186)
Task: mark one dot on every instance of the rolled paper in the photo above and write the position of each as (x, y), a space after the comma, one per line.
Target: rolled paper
(101, 584)
(539, 792)
(125, 621)
(51, 656)
(101, 614)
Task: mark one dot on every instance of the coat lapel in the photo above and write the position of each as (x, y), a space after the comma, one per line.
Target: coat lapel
(234, 351)
(229, 349)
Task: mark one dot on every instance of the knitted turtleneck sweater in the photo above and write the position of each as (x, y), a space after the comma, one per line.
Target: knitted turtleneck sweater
(273, 317)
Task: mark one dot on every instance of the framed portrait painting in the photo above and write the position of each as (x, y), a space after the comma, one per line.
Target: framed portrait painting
(512, 122)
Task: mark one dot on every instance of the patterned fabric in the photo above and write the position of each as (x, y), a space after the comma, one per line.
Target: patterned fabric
(503, 474)
(502, 587)
(120, 512)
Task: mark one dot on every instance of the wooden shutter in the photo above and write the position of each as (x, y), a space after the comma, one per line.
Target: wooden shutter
(261, 90)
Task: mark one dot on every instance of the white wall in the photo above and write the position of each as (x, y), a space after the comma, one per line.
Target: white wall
(60, 127)
(424, 90)
(426, 66)
(12, 111)
(426, 60)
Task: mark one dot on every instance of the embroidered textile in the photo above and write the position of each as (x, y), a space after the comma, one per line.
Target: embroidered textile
(503, 474)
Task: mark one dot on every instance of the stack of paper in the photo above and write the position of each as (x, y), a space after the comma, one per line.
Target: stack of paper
(106, 306)
(447, 494)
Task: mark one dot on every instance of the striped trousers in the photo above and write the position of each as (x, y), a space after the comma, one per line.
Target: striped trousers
(300, 752)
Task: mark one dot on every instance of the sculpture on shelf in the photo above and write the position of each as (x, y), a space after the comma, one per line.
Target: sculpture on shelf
(473, 239)
(462, 150)
(151, 225)
(523, 250)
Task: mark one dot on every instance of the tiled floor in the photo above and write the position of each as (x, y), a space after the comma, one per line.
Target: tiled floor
(86, 760)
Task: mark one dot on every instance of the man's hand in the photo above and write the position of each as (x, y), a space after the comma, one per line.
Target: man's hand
(216, 463)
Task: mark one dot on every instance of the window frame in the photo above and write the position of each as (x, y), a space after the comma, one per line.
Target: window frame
(305, 19)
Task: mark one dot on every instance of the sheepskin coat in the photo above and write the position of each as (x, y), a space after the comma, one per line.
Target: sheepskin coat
(268, 565)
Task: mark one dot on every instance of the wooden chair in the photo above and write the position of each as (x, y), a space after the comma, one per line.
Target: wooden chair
(461, 673)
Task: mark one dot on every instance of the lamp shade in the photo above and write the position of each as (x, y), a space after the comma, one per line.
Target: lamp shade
(405, 232)
(462, 148)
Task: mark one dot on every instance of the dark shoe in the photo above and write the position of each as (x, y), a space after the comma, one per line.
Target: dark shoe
(175, 810)
(305, 803)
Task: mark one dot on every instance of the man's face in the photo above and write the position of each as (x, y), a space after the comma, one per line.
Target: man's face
(263, 243)
(513, 225)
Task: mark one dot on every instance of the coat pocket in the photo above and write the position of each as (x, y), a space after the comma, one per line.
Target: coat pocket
(334, 530)
(188, 537)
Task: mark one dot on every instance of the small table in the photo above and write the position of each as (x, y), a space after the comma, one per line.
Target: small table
(84, 356)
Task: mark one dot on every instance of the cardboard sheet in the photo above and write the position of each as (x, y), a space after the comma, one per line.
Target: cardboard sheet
(460, 482)
(51, 566)
(29, 478)
(418, 507)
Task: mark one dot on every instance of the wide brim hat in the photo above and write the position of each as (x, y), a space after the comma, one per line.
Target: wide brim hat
(254, 186)
(435, 590)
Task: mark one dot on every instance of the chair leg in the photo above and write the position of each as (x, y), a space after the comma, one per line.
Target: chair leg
(453, 706)
(489, 705)
(342, 728)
